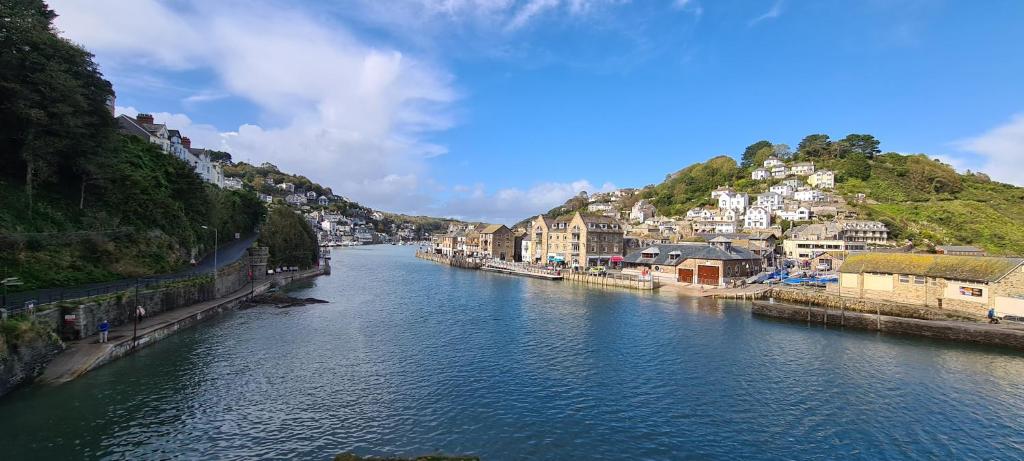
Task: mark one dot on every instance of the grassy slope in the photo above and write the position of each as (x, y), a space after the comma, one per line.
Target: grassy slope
(971, 210)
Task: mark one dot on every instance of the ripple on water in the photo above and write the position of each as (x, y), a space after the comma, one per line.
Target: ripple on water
(412, 357)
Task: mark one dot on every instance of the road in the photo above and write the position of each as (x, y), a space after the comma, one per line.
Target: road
(227, 253)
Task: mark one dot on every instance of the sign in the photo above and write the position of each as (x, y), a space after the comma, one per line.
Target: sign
(970, 291)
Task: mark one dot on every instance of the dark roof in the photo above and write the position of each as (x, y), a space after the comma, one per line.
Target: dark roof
(599, 219)
(129, 126)
(692, 251)
(492, 228)
(970, 268)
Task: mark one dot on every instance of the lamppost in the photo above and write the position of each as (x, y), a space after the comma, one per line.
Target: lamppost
(215, 240)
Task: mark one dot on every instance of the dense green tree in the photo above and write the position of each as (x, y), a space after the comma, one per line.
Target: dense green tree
(865, 144)
(856, 166)
(290, 238)
(53, 100)
(751, 151)
(815, 146)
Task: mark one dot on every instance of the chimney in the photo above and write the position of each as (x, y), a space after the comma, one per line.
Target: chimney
(144, 118)
(186, 142)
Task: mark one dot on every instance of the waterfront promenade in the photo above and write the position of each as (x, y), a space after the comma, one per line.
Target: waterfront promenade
(83, 355)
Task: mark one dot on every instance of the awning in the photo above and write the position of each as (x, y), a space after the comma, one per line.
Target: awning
(557, 259)
(617, 259)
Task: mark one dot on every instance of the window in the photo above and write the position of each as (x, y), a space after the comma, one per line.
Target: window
(904, 279)
(918, 280)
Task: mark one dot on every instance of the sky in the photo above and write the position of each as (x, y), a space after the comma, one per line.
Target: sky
(495, 110)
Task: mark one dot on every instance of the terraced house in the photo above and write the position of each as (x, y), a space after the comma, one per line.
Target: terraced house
(970, 284)
(577, 241)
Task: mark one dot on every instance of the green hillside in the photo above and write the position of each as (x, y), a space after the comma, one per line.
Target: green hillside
(919, 198)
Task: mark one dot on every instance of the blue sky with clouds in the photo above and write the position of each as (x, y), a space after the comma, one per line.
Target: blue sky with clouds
(498, 109)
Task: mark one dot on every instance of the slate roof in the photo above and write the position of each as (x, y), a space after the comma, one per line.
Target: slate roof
(698, 251)
(968, 268)
(492, 228)
(129, 126)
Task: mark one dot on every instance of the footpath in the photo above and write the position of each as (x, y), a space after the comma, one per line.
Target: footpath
(86, 354)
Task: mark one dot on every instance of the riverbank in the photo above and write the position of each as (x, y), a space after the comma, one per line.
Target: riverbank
(1002, 335)
(87, 354)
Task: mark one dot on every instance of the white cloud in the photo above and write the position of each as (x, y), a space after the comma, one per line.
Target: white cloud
(772, 13)
(344, 113)
(688, 5)
(513, 204)
(1001, 150)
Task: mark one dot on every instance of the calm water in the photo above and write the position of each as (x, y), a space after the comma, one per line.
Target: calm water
(411, 357)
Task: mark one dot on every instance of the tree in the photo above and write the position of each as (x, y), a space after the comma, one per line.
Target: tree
(814, 146)
(856, 166)
(751, 151)
(53, 100)
(290, 239)
(782, 151)
(862, 144)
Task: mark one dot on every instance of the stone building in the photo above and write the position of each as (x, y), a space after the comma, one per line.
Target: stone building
(497, 241)
(970, 284)
(716, 263)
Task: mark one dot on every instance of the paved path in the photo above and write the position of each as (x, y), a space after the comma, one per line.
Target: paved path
(82, 355)
(227, 253)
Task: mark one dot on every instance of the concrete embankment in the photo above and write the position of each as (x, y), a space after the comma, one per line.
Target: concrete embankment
(1003, 335)
(87, 354)
(829, 300)
(451, 261)
(635, 283)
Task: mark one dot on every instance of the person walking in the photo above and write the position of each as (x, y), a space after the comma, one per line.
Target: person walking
(992, 316)
(104, 330)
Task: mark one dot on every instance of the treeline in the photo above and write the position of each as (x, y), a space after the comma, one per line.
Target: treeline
(67, 170)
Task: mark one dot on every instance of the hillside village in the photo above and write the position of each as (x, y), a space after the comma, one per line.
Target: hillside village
(335, 219)
(794, 223)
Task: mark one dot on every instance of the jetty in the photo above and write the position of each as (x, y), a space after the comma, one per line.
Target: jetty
(522, 269)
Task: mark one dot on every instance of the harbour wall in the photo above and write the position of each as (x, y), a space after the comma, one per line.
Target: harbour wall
(834, 301)
(464, 263)
(972, 332)
(610, 281)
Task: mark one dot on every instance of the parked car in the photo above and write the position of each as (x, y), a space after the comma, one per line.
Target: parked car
(597, 270)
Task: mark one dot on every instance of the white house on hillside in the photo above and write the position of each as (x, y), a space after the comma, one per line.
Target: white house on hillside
(823, 179)
(760, 174)
(770, 200)
(642, 211)
(773, 161)
(757, 218)
(802, 168)
(809, 195)
(784, 190)
(734, 201)
(798, 214)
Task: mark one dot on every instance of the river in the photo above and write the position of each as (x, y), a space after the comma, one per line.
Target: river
(411, 357)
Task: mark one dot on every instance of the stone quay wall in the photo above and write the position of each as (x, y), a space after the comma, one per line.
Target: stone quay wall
(831, 300)
(464, 263)
(610, 280)
(972, 332)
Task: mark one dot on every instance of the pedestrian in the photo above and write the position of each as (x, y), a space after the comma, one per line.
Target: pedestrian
(104, 330)
(992, 315)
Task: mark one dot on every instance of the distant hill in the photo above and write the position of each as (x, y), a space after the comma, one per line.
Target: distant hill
(921, 199)
(256, 178)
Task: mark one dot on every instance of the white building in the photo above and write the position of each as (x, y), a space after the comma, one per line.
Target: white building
(264, 197)
(322, 201)
(642, 211)
(803, 168)
(727, 227)
(295, 199)
(784, 190)
(286, 186)
(798, 214)
(232, 183)
(760, 174)
(823, 179)
(773, 161)
(310, 195)
(734, 201)
(720, 191)
(809, 195)
(599, 207)
(794, 183)
(770, 200)
(779, 171)
(700, 213)
(757, 218)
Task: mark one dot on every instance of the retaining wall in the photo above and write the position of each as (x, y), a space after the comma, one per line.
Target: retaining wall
(972, 332)
(609, 281)
(870, 306)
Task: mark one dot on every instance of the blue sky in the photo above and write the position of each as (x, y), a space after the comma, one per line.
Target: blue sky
(498, 109)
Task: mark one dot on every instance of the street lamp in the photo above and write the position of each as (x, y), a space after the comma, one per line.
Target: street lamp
(215, 239)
